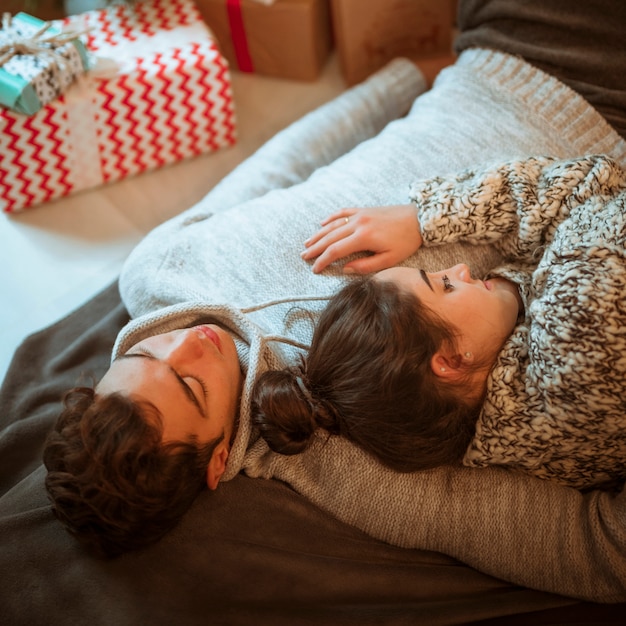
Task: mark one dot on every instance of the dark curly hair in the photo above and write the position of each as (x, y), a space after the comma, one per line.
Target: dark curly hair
(113, 483)
(368, 377)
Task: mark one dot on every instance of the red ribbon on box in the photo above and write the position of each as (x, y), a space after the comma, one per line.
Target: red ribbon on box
(238, 34)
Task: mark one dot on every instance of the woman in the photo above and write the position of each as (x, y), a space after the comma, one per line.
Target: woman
(409, 363)
(235, 247)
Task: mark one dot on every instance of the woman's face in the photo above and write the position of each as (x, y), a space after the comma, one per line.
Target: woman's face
(483, 312)
(192, 377)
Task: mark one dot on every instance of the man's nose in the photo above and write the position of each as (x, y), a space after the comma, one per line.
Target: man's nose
(186, 347)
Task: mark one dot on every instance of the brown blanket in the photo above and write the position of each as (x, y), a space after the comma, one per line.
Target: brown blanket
(251, 553)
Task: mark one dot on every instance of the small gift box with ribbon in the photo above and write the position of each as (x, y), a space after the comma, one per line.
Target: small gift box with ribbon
(38, 62)
(159, 91)
(281, 38)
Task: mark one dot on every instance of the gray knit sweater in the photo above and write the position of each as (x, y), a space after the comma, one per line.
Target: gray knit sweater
(240, 246)
(556, 397)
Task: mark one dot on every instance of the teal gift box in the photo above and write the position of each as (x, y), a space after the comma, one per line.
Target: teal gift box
(37, 62)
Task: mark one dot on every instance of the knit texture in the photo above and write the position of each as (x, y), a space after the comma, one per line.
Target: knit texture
(555, 403)
(240, 246)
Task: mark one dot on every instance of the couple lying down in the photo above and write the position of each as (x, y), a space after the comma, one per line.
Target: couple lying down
(221, 297)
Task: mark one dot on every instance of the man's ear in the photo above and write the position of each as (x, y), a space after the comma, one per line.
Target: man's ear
(217, 465)
(446, 366)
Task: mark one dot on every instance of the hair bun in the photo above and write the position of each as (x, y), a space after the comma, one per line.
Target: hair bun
(284, 411)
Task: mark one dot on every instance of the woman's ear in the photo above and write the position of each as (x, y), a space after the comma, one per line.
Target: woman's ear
(217, 465)
(446, 366)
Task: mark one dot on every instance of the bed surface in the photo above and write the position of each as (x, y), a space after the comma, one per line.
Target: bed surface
(253, 552)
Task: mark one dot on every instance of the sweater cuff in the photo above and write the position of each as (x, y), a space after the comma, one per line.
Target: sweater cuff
(400, 81)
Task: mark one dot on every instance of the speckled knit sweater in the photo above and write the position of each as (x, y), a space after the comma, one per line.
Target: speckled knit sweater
(556, 401)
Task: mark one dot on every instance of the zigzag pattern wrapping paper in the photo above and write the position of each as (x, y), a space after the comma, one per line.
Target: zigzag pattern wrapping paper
(159, 92)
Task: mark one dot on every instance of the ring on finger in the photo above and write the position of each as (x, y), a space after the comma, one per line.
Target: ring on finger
(347, 219)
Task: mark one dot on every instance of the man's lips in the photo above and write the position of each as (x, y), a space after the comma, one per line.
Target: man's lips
(211, 335)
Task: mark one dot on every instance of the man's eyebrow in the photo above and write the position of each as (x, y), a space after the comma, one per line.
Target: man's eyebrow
(426, 280)
(185, 387)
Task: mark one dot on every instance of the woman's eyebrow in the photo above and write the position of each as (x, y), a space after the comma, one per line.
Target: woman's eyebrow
(185, 387)
(426, 280)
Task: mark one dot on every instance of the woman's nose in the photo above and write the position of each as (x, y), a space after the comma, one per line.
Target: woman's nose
(461, 271)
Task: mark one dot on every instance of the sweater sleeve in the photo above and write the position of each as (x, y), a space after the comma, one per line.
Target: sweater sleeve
(517, 528)
(517, 206)
(555, 396)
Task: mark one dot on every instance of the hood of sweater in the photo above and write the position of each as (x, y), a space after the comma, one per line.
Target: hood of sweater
(257, 350)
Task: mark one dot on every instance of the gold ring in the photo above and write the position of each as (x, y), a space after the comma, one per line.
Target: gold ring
(347, 219)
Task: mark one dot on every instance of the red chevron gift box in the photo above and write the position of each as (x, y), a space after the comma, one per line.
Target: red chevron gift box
(159, 92)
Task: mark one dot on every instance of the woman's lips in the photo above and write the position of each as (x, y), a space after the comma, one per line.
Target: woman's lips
(210, 334)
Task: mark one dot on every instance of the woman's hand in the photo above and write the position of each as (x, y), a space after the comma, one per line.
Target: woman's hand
(390, 233)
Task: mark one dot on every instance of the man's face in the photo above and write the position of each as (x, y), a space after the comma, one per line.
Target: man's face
(191, 376)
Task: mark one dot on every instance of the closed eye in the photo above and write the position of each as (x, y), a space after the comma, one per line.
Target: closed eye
(203, 385)
(142, 352)
(447, 285)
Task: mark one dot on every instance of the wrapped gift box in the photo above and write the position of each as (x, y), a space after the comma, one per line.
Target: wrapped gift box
(43, 9)
(29, 81)
(370, 33)
(283, 38)
(159, 92)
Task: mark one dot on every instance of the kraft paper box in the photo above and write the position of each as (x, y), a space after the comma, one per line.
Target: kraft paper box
(370, 33)
(282, 38)
(159, 92)
(29, 80)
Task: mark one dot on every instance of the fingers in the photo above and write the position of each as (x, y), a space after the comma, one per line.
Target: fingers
(339, 215)
(330, 231)
(323, 243)
(343, 233)
(341, 248)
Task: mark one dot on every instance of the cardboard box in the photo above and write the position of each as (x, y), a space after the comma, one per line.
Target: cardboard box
(286, 39)
(370, 33)
(160, 92)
